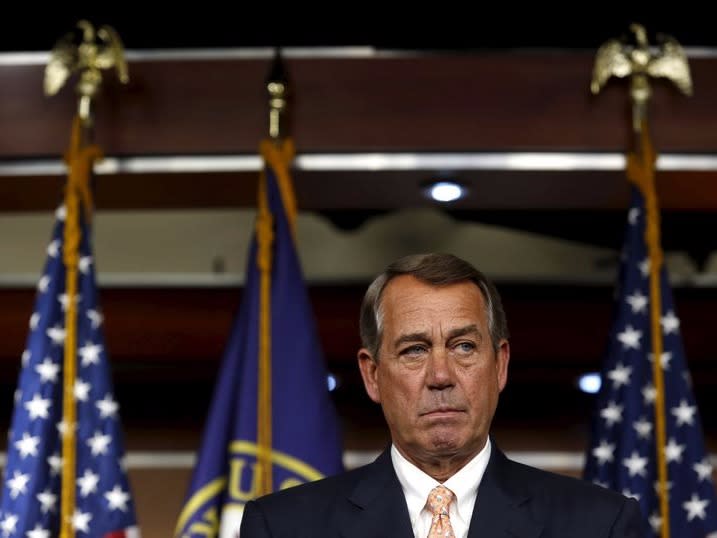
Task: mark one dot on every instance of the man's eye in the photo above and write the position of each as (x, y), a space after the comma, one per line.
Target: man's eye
(413, 350)
(465, 347)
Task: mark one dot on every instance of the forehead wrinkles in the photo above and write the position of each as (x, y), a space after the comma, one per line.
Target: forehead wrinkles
(409, 306)
(433, 322)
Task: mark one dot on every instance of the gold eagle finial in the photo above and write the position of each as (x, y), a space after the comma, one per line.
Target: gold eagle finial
(89, 57)
(620, 59)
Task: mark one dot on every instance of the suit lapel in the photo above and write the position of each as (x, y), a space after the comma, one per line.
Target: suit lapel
(500, 510)
(378, 506)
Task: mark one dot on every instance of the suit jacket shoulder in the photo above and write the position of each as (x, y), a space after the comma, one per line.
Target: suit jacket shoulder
(524, 501)
(366, 502)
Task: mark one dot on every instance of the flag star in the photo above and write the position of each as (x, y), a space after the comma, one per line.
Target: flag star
(620, 375)
(27, 446)
(635, 464)
(655, 522)
(26, 358)
(81, 521)
(95, 317)
(670, 323)
(637, 302)
(61, 212)
(84, 264)
(665, 358)
(18, 395)
(632, 215)
(703, 469)
(98, 443)
(63, 428)
(90, 353)
(695, 507)
(38, 532)
(8, 524)
(627, 493)
(107, 406)
(82, 390)
(688, 379)
(601, 484)
(603, 453)
(18, 484)
(612, 413)
(53, 249)
(685, 414)
(64, 300)
(644, 267)
(48, 370)
(630, 338)
(57, 335)
(643, 428)
(117, 499)
(55, 463)
(649, 393)
(38, 407)
(44, 283)
(673, 451)
(656, 485)
(34, 320)
(47, 501)
(88, 483)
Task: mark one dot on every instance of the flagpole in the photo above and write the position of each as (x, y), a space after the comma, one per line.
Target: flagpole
(639, 63)
(277, 88)
(641, 172)
(79, 159)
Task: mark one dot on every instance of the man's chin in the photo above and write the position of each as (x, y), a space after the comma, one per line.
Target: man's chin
(446, 441)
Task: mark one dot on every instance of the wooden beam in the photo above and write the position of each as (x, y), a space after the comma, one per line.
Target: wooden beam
(469, 102)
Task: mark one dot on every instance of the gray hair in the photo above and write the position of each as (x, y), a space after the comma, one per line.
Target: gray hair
(437, 270)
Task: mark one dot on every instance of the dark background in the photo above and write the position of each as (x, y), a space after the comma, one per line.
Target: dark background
(469, 26)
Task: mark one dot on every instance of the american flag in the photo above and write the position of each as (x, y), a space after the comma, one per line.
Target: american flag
(622, 455)
(30, 495)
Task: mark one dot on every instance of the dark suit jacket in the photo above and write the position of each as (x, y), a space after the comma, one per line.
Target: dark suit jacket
(513, 500)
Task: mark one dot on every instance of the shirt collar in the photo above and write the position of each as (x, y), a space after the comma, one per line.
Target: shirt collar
(464, 484)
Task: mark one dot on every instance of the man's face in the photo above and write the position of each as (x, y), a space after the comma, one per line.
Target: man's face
(436, 376)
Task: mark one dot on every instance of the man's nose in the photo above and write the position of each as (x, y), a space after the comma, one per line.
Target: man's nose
(439, 374)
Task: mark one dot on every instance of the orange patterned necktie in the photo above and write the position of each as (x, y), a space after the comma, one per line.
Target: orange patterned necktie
(439, 499)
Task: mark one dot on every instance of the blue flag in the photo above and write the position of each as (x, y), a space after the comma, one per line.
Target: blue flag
(305, 435)
(30, 499)
(623, 452)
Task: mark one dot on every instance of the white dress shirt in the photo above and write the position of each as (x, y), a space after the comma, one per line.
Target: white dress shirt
(417, 485)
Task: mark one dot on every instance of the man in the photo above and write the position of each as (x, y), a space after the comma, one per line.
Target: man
(435, 356)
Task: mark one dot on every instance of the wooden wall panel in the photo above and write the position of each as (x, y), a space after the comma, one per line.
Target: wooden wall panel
(471, 102)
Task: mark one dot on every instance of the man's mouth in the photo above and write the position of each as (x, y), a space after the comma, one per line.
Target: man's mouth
(441, 411)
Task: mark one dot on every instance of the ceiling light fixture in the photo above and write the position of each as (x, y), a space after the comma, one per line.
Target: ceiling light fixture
(590, 383)
(332, 382)
(445, 191)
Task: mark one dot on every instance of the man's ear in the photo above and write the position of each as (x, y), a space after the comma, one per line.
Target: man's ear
(369, 372)
(502, 359)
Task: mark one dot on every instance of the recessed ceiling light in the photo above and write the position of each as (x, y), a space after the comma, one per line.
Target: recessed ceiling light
(445, 191)
(590, 383)
(331, 382)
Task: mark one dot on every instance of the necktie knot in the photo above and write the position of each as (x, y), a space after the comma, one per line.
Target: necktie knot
(439, 499)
